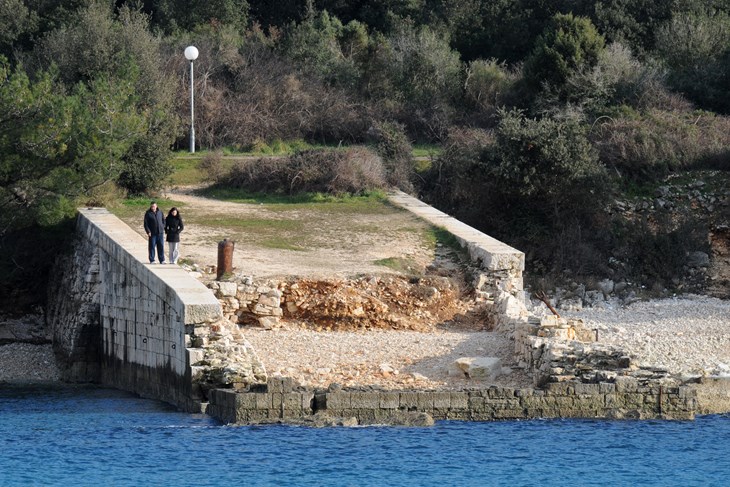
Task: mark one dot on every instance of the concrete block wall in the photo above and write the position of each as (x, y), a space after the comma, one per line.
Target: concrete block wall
(142, 311)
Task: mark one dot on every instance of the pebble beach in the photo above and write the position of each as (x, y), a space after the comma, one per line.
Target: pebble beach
(688, 335)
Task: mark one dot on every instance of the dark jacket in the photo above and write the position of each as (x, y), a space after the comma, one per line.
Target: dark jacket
(173, 227)
(154, 222)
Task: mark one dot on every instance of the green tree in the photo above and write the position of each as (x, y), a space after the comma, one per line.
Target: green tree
(15, 21)
(104, 45)
(187, 15)
(57, 151)
(58, 148)
(568, 45)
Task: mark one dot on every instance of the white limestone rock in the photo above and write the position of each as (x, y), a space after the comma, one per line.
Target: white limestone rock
(477, 367)
(226, 289)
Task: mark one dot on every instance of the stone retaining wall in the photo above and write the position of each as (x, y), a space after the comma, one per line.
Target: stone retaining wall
(281, 403)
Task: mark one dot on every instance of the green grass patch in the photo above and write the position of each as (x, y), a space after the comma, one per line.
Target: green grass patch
(398, 264)
(439, 235)
(426, 150)
(138, 205)
(281, 243)
(249, 223)
(371, 203)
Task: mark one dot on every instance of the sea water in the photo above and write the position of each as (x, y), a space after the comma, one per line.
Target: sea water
(79, 436)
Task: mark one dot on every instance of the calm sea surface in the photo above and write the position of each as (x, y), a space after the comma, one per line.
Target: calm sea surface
(77, 436)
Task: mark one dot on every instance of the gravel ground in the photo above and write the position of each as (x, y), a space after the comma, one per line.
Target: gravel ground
(388, 359)
(688, 335)
(25, 362)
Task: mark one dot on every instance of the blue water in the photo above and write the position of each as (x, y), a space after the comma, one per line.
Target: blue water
(88, 436)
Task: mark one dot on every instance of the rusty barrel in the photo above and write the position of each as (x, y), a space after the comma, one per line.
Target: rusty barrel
(225, 258)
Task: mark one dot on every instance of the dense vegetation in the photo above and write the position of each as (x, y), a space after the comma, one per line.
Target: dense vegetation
(544, 108)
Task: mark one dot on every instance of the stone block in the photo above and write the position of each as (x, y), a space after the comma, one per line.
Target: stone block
(626, 384)
(280, 384)
(587, 389)
(226, 289)
(560, 388)
(477, 367)
(389, 400)
(425, 401)
(606, 387)
(194, 355)
(409, 400)
(263, 400)
(245, 401)
(441, 400)
(476, 402)
(459, 400)
(292, 401)
(338, 400)
(365, 400)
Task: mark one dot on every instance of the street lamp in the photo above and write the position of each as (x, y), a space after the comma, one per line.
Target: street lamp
(191, 54)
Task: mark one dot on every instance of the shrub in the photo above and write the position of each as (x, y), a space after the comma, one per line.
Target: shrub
(211, 165)
(696, 47)
(396, 152)
(489, 85)
(657, 250)
(652, 145)
(456, 178)
(547, 159)
(354, 170)
(567, 45)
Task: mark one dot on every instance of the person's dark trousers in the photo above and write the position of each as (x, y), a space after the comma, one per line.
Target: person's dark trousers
(157, 242)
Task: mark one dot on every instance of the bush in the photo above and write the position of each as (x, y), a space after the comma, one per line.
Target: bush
(456, 178)
(211, 165)
(396, 152)
(657, 250)
(353, 171)
(546, 159)
(567, 45)
(489, 85)
(646, 147)
(696, 47)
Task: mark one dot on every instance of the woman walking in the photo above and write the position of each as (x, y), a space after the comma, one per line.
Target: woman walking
(173, 227)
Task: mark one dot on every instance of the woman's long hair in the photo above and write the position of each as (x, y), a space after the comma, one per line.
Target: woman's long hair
(169, 213)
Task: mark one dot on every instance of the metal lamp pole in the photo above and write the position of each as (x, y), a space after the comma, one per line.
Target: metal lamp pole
(191, 54)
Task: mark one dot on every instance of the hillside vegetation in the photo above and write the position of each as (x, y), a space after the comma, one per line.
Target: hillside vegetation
(539, 115)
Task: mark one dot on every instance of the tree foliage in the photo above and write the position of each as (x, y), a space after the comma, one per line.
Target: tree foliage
(696, 48)
(568, 45)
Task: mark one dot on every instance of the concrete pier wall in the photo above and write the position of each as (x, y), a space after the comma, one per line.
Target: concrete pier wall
(133, 329)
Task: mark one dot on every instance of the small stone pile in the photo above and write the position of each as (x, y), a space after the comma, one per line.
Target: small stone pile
(246, 302)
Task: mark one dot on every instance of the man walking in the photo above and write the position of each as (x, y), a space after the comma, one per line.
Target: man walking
(154, 225)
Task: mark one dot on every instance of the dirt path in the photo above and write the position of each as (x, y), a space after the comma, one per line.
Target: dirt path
(302, 240)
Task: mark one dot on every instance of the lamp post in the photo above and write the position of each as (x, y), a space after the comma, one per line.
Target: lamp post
(191, 54)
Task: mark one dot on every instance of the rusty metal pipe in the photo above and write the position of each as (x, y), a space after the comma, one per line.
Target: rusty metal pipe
(225, 258)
